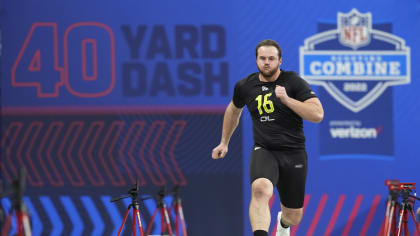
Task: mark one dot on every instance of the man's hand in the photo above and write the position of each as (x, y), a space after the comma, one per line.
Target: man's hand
(281, 94)
(219, 151)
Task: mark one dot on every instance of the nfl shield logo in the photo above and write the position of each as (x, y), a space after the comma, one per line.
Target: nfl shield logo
(355, 28)
(355, 78)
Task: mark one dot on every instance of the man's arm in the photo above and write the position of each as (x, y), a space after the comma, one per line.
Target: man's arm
(310, 110)
(230, 122)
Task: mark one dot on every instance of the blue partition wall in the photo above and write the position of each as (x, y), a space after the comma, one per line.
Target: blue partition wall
(98, 94)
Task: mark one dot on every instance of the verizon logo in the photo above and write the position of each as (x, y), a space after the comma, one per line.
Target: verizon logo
(355, 133)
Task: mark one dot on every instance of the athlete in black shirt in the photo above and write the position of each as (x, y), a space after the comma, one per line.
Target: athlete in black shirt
(277, 101)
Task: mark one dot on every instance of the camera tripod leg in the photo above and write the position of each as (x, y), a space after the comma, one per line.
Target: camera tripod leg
(7, 224)
(400, 221)
(387, 216)
(136, 214)
(26, 225)
(125, 218)
(136, 217)
(19, 220)
(23, 224)
(415, 222)
(391, 220)
(180, 218)
(405, 219)
(167, 220)
(164, 220)
(149, 227)
(402, 224)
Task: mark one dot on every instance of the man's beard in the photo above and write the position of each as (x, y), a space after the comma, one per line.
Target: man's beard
(269, 73)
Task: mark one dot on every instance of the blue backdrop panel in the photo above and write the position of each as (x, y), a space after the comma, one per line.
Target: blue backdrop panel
(75, 163)
(117, 54)
(90, 58)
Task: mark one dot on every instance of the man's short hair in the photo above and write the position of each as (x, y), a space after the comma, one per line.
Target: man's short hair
(268, 42)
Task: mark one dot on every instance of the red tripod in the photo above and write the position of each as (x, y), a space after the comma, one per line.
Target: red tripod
(18, 207)
(133, 193)
(179, 214)
(22, 218)
(392, 207)
(407, 208)
(164, 216)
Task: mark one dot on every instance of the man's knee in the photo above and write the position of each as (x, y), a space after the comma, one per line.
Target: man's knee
(292, 216)
(262, 188)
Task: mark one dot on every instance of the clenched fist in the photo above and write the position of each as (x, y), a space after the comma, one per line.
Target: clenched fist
(219, 151)
(281, 94)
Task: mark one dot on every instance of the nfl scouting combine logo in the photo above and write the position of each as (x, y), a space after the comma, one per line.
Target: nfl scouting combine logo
(350, 66)
(355, 61)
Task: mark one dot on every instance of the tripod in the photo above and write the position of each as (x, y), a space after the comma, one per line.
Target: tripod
(164, 216)
(391, 208)
(133, 193)
(179, 214)
(18, 207)
(407, 208)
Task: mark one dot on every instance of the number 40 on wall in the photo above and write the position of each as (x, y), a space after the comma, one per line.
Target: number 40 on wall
(88, 60)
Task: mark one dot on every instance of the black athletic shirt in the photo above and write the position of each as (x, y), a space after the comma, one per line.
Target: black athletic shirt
(275, 126)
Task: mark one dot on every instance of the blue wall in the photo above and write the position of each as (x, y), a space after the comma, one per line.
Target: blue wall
(98, 93)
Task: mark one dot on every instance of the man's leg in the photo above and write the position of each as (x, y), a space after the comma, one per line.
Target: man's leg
(291, 188)
(286, 218)
(291, 216)
(259, 211)
(264, 174)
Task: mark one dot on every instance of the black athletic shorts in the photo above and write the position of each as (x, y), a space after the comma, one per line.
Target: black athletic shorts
(286, 169)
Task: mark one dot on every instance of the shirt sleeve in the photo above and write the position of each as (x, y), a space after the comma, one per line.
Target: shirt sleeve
(303, 91)
(237, 98)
